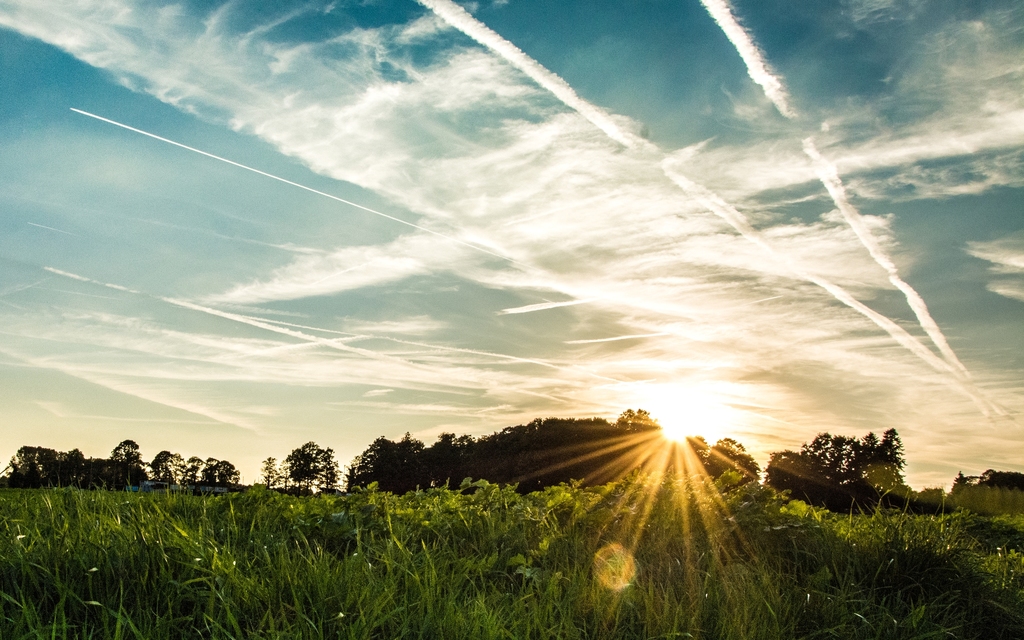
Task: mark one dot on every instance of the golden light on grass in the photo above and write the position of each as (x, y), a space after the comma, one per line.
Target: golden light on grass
(614, 567)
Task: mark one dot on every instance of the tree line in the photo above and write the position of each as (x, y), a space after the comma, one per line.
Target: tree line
(539, 454)
(837, 472)
(833, 471)
(38, 467)
(306, 469)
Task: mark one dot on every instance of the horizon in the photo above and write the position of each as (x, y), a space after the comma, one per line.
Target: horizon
(231, 230)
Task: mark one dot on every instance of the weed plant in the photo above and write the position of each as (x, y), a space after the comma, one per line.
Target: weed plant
(680, 558)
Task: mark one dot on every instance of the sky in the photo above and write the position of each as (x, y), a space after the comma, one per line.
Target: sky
(229, 228)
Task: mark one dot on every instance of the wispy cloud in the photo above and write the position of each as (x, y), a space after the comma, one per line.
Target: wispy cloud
(1006, 256)
(638, 336)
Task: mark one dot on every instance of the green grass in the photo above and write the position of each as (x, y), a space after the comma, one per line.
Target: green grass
(489, 563)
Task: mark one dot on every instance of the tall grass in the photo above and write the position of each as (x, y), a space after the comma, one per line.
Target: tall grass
(985, 500)
(626, 560)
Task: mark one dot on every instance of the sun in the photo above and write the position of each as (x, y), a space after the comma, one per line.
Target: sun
(689, 411)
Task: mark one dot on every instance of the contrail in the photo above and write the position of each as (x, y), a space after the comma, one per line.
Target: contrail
(741, 224)
(461, 19)
(331, 343)
(301, 186)
(829, 176)
(254, 322)
(757, 67)
(43, 226)
(542, 306)
(636, 336)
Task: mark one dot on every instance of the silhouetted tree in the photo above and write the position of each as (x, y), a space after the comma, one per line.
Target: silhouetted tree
(730, 455)
(447, 461)
(208, 475)
(128, 463)
(35, 467)
(167, 467)
(991, 478)
(395, 466)
(535, 455)
(220, 473)
(639, 420)
(312, 467)
(193, 470)
(839, 472)
(271, 475)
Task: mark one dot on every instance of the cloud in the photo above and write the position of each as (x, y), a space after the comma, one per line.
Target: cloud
(347, 269)
(1006, 256)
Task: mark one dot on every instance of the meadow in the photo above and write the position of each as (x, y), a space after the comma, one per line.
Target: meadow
(638, 558)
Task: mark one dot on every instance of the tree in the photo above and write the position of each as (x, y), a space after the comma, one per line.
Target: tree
(991, 478)
(209, 472)
(639, 420)
(127, 463)
(395, 466)
(312, 467)
(167, 467)
(271, 475)
(730, 455)
(193, 468)
(446, 462)
(222, 473)
(839, 472)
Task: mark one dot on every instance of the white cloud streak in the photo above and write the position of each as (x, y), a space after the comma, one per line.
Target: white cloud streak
(543, 306)
(295, 184)
(461, 19)
(757, 67)
(830, 178)
(740, 222)
(758, 70)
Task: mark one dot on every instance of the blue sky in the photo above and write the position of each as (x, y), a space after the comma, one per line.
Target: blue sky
(758, 219)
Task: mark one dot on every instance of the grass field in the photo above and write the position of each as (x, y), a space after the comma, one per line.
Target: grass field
(632, 559)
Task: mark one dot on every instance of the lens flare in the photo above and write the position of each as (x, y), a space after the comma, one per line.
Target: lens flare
(614, 567)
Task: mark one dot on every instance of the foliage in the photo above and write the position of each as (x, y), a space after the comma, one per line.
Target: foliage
(127, 461)
(312, 467)
(726, 455)
(987, 500)
(632, 559)
(991, 478)
(840, 472)
(167, 467)
(539, 454)
(271, 474)
(37, 467)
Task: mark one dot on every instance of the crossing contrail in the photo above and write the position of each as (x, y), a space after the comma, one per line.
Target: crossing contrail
(757, 68)
(741, 224)
(301, 186)
(829, 176)
(460, 19)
